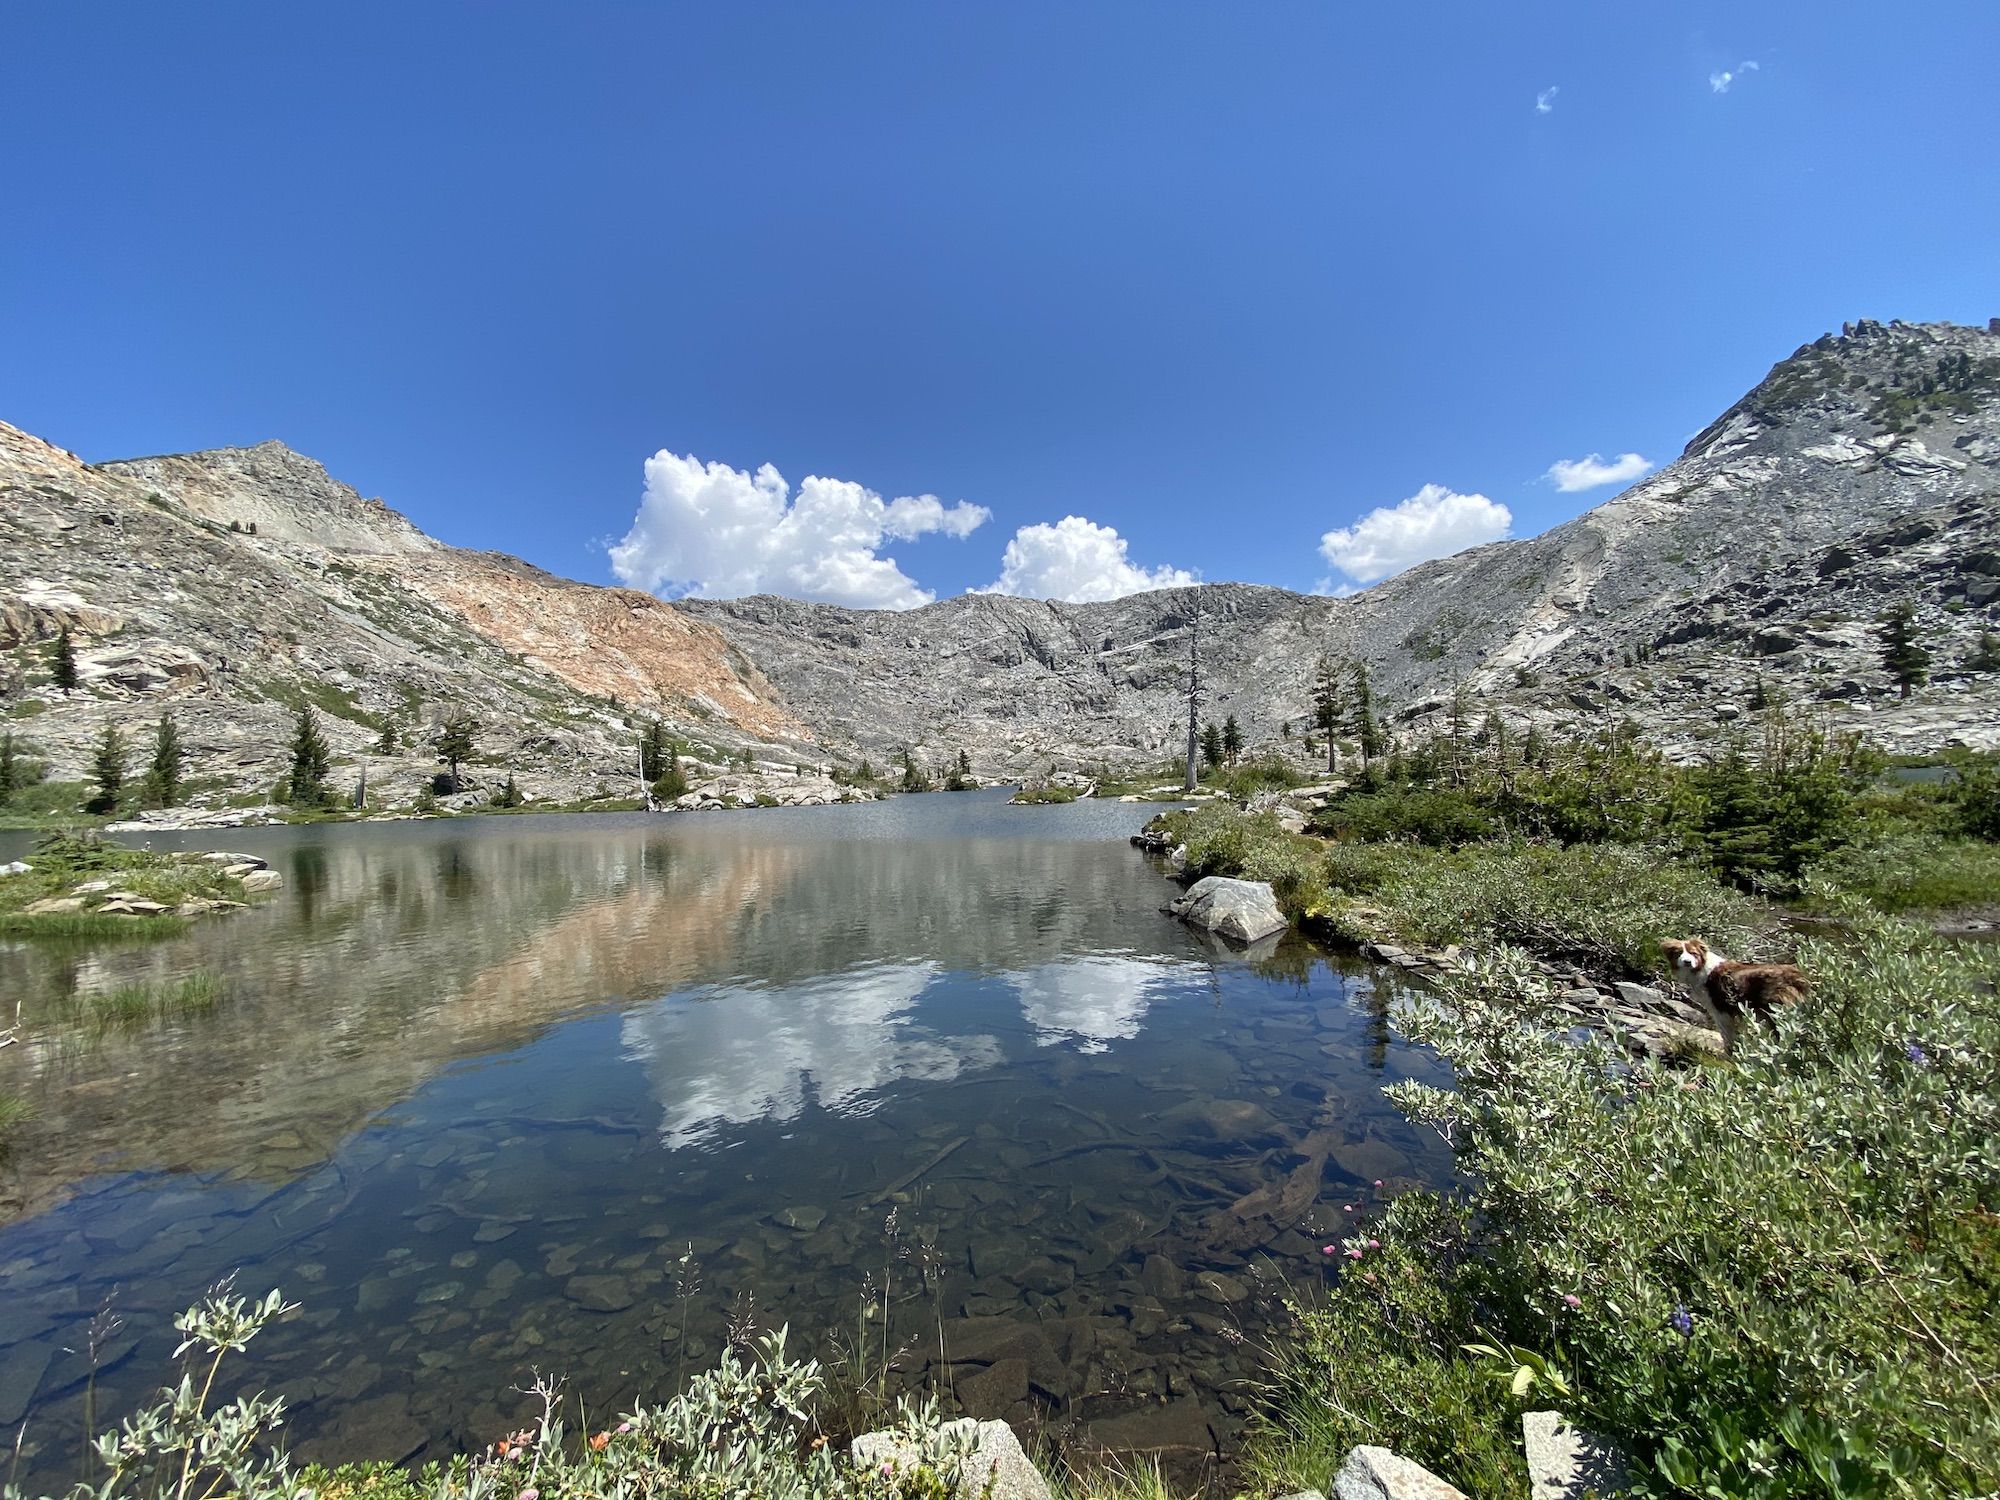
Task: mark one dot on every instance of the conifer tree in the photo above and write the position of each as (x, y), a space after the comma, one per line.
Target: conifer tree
(311, 760)
(1232, 739)
(107, 770)
(653, 752)
(672, 781)
(1903, 655)
(1211, 745)
(163, 776)
(10, 768)
(1362, 716)
(388, 744)
(1326, 708)
(509, 795)
(62, 661)
(455, 741)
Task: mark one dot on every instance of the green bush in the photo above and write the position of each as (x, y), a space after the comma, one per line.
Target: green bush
(1603, 906)
(1443, 816)
(1773, 1279)
(1911, 871)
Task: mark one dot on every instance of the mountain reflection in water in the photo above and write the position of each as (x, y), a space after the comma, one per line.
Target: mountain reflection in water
(482, 1094)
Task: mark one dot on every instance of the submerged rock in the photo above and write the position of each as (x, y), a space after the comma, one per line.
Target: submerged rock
(1241, 910)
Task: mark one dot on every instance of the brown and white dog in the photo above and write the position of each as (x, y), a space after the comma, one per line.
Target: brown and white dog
(1729, 990)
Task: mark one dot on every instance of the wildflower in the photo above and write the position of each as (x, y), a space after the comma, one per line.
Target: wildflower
(1328, 1249)
(1570, 1299)
(598, 1440)
(1916, 1054)
(1682, 1321)
(530, 1493)
(1374, 1244)
(624, 1427)
(1354, 1254)
(1347, 1208)
(1378, 1182)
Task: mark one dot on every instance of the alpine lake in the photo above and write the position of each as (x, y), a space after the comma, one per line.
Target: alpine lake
(931, 1081)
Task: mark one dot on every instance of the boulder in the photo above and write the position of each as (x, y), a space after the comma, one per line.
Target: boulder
(993, 1466)
(1241, 910)
(16, 867)
(1377, 1474)
(1566, 1463)
(263, 880)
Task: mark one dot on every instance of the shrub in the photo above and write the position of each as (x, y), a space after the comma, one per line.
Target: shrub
(742, 1431)
(1911, 871)
(1429, 815)
(1604, 906)
(1773, 1280)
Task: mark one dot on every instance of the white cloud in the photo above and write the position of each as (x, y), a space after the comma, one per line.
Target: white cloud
(1545, 101)
(715, 531)
(1078, 561)
(1720, 80)
(1434, 522)
(1589, 472)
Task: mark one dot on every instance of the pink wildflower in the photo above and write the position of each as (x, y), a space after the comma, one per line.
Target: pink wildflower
(1570, 1299)
(1328, 1249)
(1374, 1244)
(1354, 1255)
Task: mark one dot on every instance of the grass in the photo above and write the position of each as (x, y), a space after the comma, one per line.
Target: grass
(137, 1004)
(1912, 872)
(61, 861)
(1039, 796)
(13, 1110)
(88, 926)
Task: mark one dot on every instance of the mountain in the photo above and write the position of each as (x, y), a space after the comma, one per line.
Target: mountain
(1863, 470)
(232, 585)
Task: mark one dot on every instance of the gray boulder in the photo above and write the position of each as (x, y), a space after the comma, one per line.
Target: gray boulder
(1240, 910)
(1377, 1474)
(993, 1466)
(1565, 1463)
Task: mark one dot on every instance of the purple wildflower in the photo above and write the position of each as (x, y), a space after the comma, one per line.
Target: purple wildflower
(1916, 1054)
(1682, 1321)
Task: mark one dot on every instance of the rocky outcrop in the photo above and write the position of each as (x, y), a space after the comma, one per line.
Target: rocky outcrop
(992, 1466)
(232, 585)
(1241, 910)
(1377, 1474)
(1756, 564)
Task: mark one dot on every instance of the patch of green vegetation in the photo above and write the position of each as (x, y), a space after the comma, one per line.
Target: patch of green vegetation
(60, 862)
(1910, 871)
(13, 1111)
(139, 1004)
(77, 927)
(27, 708)
(1692, 1266)
(1040, 796)
(329, 698)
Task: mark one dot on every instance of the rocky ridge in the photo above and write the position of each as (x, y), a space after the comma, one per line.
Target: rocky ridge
(234, 584)
(1863, 470)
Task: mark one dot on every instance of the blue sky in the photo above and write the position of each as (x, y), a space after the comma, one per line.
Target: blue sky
(1219, 278)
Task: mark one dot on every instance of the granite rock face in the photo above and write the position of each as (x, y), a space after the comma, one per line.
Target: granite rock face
(1756, 564)
(230, 585)
(994, 1467)
(1377, 1474)
(1241, 910)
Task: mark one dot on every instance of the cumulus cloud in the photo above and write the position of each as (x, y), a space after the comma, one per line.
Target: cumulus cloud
(1595, 469)
(1078, 561)
(1434, 522)
(1720, 80)
(711, 530)
(1545, 101)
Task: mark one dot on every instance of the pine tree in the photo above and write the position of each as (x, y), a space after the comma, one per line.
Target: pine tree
(509, 795)
(311, 760)
(1985, 656)
(1903, 656)
(914, 780)
(62, 661)
(10, 767)
(107, 770)
(1326, 708)
(388, 743)
(672, 781)
(455, 741)
(163, 776)
(1211, 745)
(1362, 716)
(1232, 739)
(653, 752)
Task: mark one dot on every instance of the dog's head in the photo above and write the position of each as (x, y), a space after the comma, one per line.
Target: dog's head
(1688, 958)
